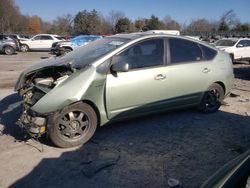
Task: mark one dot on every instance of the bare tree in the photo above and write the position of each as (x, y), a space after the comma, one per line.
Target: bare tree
(106, 27)
(34, 25)
(139, 24)
(171, 24)
(228, 20)
(200, 25)
(113, 18)
(62, 25)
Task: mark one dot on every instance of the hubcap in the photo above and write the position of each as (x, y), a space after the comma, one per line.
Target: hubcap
(24, 48)
(73, 125)
(8, 50)
(212, 98)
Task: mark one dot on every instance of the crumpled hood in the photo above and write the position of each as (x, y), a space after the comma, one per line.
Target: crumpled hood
(51, 62)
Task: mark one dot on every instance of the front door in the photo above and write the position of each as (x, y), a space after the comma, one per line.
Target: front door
(130, 93)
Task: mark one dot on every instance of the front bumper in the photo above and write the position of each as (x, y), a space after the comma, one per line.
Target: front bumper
(33, 124)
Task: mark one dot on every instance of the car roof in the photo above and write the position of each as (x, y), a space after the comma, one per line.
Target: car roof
(235, 39)
(145, 35)
(136, 35)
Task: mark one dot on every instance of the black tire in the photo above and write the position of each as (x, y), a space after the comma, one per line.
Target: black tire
(73, 126)
(9, 50)
(64, 51)
(212, 99)
(67, 50)
(24, 48)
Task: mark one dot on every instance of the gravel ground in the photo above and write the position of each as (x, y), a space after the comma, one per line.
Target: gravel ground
(143, 152)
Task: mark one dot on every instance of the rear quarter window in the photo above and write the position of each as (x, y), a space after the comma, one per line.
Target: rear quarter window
(208, 53)
(183, 50)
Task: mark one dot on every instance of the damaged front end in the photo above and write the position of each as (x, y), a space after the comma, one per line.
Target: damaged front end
(32, 87)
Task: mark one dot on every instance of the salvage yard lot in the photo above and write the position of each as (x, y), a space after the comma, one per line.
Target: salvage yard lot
(143, 152)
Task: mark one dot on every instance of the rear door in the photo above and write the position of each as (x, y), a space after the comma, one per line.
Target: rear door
(46, 42)
(189, 72)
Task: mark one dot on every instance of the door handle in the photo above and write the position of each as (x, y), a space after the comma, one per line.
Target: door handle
(160, 77)
(206, 70)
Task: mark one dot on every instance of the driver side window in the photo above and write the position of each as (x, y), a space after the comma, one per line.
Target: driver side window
(145, 54)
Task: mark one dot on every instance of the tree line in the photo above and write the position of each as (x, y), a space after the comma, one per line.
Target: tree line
(93, 22)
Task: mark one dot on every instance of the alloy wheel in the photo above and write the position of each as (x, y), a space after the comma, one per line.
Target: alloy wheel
(73, 125)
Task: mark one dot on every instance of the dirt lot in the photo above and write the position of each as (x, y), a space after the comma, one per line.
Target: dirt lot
(143, 152)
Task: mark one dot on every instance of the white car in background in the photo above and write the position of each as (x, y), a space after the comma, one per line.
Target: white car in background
(238, 49)
(40, 42)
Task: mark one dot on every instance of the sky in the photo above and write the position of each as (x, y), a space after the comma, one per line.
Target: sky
(181, 10)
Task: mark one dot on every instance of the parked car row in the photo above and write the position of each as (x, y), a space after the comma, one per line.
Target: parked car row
(9, 44)
(238, 48)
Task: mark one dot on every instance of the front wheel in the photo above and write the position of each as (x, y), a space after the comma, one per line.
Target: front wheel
(73, 126)
(212, 98)
(24, 48)
(64, 51)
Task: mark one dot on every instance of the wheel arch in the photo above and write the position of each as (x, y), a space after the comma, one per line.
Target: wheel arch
(222, 85)
(7, 45)
(67, 47)
(92, 104)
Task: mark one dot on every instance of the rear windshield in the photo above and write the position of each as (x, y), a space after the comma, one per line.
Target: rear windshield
(225, 42)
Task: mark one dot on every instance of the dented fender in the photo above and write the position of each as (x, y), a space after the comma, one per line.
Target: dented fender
(69, 91)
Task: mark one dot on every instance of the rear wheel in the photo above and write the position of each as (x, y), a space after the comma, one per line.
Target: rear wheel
(73, 126)
(212, 99)
(8, 50)
(64, 51)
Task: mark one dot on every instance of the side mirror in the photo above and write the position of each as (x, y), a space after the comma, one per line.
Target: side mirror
(239, 45)
(120, 67)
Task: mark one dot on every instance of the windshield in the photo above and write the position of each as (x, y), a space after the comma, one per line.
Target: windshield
(225, 42)
(93, 51)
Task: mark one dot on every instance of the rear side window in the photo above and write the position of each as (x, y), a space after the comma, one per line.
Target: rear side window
(45, 37)
(182, 50)
(208, 53)
(248, 43)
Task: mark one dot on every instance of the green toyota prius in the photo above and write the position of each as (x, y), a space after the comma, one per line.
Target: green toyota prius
(119, 77)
